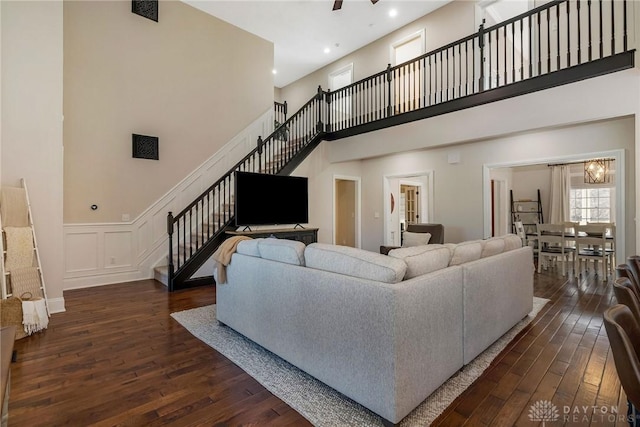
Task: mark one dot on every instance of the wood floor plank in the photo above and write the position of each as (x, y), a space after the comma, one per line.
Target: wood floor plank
(116, 357)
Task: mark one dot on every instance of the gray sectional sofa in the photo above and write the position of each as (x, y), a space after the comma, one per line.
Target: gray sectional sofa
(385, 331)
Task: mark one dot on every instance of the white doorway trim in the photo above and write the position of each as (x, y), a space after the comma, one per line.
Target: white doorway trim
(387, 201)
(357, 181)
(620, 177)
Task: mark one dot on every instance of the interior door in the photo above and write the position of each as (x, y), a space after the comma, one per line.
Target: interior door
(342, 100)
(345, 212)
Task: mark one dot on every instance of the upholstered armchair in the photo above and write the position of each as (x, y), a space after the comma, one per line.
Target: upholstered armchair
(436, 231)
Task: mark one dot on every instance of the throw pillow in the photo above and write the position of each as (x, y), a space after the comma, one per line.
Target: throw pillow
(415, 239)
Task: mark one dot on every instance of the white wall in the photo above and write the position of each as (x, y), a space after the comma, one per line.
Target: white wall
(32, 123)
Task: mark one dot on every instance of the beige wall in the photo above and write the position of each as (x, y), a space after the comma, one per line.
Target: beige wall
(32, 123)
(445, 25)
(190, 79)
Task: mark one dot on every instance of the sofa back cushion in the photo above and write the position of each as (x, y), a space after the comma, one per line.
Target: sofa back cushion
(465, 251)
(282, 250)
(249, 247)
(511, 242)
(492, 246)
(355, 262)
(422, 259)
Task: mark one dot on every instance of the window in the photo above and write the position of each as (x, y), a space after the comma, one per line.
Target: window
(592, 204)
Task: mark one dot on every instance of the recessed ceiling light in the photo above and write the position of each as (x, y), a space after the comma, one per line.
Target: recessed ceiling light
(393, 12)
(274, 71)
(327, 50)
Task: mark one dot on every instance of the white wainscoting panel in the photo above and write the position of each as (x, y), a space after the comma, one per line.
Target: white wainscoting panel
(104, 253)
(83, 250)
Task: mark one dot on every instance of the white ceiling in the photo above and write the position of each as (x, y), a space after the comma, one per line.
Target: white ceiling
(302, 29)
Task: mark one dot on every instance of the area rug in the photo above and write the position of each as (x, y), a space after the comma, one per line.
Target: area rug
(314, 400)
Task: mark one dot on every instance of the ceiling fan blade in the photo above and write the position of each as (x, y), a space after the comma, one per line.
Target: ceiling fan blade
(337, 4)
(374, 1)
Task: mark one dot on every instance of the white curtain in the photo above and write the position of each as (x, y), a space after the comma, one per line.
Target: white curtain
(560, 189)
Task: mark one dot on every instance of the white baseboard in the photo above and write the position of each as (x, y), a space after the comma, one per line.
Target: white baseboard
(56, 305)
(105, 279)
(105, 253)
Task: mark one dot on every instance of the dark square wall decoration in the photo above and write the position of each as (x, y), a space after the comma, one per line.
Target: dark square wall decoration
(145, 147)
(146, 8)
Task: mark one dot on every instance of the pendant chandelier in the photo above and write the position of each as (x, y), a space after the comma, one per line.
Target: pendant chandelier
(596, 171)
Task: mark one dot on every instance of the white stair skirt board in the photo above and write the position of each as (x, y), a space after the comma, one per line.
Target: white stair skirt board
(103, 253)
(161, 273)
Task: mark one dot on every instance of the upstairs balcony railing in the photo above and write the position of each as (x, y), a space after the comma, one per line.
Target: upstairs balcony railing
(557, 36)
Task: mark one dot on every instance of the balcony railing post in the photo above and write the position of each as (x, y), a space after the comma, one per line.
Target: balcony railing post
(171, 266)
(389, 79)
(260, 147)
(319, 98)
(285, 111)
(327, 98)
(481, 56)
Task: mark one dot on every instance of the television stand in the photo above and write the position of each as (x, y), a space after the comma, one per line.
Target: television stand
(304, 235)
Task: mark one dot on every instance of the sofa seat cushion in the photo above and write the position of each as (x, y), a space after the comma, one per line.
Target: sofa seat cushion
(492, 246)
(422, 259)
(355, 262)
(410, 239)
(282, 250)
(465, 252)
(249, 247)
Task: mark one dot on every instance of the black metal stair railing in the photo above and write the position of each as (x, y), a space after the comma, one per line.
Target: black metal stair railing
(556, 36)
(560, 42)
(200, 227)
(279, 112)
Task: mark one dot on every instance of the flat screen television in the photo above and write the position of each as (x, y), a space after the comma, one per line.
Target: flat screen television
(262, 199)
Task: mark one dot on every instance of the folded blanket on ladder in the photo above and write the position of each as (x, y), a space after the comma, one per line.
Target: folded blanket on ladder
(19, 248)
(34, 315)
(13, 207)
(25, 284)
(26, 280)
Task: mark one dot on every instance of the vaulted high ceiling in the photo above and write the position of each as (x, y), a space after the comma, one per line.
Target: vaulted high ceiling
(302, 30)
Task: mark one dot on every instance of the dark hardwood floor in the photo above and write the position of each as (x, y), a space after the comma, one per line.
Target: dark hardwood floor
(115, 357)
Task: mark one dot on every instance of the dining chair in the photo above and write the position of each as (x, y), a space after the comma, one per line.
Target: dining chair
(552, 245)
(624, 271)
(591, 245)
(623, 332)
(610, 247)
(633, 261)
(626, 294)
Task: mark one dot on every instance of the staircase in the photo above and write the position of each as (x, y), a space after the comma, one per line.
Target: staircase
(196, 231)
(558, 43)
